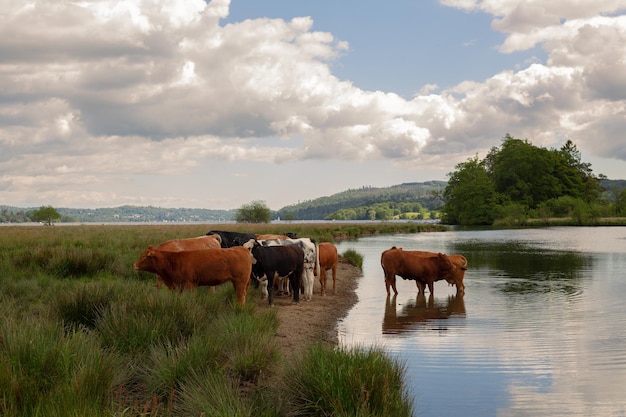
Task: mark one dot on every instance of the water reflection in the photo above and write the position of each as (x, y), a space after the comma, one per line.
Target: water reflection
(420, 312)
(528, 269)
(540, 330)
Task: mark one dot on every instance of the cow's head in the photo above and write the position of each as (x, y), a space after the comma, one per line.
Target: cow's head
(445, 263)
(144, 260)
(251, 245)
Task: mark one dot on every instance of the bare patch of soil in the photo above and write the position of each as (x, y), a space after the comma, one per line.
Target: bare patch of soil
(308, 322)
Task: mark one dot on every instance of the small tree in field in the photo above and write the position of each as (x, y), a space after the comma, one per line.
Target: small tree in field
(255, 212)
(45, 214)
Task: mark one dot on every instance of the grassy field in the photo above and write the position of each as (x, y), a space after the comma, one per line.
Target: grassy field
(83, 334)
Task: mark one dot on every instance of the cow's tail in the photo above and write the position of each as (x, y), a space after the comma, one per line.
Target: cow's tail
(317, 258)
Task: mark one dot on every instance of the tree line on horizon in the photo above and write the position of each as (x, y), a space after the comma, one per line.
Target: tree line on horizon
(411, 199)
(514, 182)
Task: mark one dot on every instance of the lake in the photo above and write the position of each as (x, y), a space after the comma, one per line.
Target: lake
(540, 331)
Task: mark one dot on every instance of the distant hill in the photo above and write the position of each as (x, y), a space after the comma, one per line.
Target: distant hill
(147, 214)
(428, 193)
(123, 214)
(612, 188)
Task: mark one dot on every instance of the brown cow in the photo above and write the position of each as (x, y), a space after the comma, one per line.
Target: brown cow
(328, 260)
(454, 277)
(192, 243)
(189, 269)
(422, 268)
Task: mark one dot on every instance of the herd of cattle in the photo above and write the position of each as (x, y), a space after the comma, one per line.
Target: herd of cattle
(282, 263)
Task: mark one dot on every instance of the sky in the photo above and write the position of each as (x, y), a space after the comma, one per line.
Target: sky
(196, 104)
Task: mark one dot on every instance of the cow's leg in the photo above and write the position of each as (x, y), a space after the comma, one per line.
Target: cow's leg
(335, 279)
(295, 279)
(241, 288)
(421, 287)
(263, 287)
(431, 287)
(390, 281)
(309, 280)
(270, 287)
(281, 284)
(323, 280)
(285, 285)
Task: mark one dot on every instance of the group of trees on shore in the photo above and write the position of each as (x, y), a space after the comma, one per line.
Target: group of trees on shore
(384, 211)
(44, 214)
(408, 201)
(518, 181)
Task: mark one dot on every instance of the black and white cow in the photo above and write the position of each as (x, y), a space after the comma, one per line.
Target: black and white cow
(230, 239)
(311, 260)
(279, 261)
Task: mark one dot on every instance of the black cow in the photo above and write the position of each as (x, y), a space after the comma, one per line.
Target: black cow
(284, 261)
(230, 239)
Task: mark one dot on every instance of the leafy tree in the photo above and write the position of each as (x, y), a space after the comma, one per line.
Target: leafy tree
(470, 195)
(620, 203)
(526, 179)
(526, 173)
(46, 214)
(255, 212)
(585, 183)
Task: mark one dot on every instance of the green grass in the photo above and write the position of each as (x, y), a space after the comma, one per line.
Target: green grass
(84, 334)
(353, 258)
(341, 382)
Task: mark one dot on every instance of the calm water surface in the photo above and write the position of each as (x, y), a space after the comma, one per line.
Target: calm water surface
(541, 330)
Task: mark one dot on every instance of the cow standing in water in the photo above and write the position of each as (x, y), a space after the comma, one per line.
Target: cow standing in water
(328, 261)
(453, 277)
(424, 269)
(189, 269)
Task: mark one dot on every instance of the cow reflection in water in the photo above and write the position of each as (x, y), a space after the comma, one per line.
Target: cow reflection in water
(422, 312)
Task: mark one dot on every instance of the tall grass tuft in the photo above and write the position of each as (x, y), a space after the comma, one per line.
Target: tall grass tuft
(353, 258)
(43, 370)
(82, 305)
(169, 366)
(252, 346)
(343, 382)
(131, 330)
(32, 363)
(211, 393)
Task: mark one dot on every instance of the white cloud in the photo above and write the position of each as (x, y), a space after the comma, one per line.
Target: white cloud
(120, 88)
